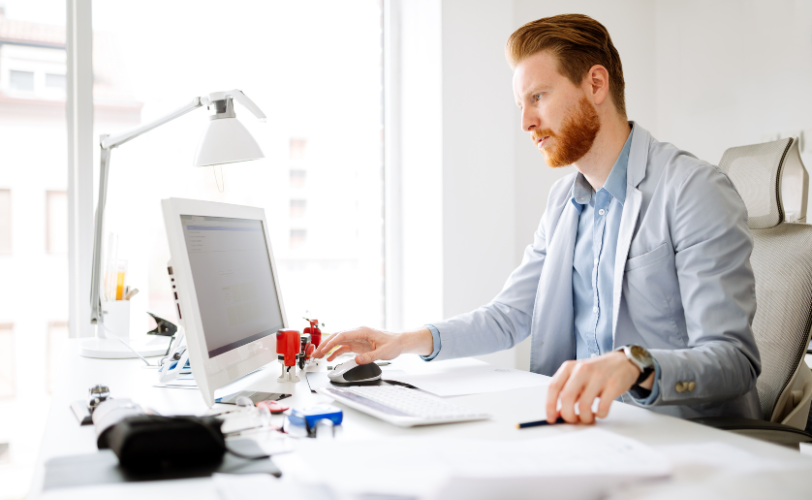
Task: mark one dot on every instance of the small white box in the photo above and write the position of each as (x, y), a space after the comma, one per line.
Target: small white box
(116, 319)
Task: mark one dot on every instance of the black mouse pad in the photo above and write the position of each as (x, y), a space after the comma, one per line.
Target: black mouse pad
(320, 379)
(102, 468)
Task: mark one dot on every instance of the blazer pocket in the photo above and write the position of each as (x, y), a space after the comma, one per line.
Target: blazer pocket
(661, 252)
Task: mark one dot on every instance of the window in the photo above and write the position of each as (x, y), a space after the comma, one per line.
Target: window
(7, 380)
(298, 237)
(56, 81)
(297, 208)
(21, 80)
(54, 352)
(338, 162)
(297, 148)
(56, 209)
(298, 177)
(5, 221)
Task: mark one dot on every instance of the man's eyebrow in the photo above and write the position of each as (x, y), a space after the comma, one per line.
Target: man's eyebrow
(535, 90)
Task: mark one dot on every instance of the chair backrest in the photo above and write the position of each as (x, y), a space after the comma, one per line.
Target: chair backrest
(773, 183)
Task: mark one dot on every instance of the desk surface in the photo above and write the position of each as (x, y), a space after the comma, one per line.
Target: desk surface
(132, 379)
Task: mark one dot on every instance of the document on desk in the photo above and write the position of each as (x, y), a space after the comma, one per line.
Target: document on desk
(581, 463)
(460, 381)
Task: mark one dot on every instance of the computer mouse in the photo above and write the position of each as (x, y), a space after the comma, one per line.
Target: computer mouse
(350, 372)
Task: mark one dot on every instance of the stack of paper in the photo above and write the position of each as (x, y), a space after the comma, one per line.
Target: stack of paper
(581, 464)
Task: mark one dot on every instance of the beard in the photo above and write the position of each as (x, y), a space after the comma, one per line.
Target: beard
(575, 139)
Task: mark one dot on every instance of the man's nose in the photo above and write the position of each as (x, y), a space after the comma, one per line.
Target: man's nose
(530, 120)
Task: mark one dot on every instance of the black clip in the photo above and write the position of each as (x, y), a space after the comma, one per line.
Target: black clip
(164, 328)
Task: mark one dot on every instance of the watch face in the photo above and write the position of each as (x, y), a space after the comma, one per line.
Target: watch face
(642, 355)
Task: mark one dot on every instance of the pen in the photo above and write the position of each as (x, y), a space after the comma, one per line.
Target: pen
(559, 420)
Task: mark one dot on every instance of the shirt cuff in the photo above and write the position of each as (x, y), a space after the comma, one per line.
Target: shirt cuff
(435, 336)
(647, 400)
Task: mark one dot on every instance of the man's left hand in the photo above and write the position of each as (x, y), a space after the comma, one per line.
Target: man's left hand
(578, 383)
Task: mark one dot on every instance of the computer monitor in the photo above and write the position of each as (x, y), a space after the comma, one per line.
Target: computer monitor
(227, 289)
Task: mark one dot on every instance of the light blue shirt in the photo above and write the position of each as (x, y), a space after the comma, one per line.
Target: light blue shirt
(593, 265)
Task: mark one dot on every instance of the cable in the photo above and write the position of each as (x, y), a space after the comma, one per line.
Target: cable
(247, 457)
(127, 345)
(214, 169)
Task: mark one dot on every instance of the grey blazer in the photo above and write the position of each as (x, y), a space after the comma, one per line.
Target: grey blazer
(683, 286)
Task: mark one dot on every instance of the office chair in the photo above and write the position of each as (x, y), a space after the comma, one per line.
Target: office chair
(773, 183)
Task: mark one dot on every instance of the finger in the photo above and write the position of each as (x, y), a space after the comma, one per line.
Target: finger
(572, 392)
(554, 389)
(586, 399)
(332, 341)
(568, 397)
(609, 394)
(338, 352)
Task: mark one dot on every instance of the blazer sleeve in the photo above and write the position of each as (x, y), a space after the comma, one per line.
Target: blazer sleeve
(503, 322)
(712, 245)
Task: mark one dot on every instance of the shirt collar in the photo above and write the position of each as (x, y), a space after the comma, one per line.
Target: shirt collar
(615, 184)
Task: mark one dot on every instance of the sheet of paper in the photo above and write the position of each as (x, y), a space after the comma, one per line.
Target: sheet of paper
(469, 380)
(717, 455)
(248, 486)
(423, 466)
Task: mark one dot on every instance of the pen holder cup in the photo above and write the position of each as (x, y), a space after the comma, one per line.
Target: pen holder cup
(116, 319)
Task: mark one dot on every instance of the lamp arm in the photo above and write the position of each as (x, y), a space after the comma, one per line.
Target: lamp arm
(107, 143)
(110, 142)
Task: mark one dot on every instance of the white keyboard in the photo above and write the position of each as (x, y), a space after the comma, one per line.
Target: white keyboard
(400, 405)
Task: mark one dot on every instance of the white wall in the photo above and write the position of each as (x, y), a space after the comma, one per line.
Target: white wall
(478, 174)
(730, 72)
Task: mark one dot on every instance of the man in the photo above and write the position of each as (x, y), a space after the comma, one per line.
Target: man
(638, 283)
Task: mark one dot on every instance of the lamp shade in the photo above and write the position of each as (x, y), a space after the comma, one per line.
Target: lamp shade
(226, 140)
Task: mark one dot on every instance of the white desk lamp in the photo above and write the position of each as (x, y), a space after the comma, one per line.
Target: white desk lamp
(226, 140)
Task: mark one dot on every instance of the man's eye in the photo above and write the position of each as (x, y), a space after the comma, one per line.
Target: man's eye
(537, 97)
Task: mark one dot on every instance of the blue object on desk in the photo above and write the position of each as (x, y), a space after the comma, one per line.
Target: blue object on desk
(309, 417)
(187, 368)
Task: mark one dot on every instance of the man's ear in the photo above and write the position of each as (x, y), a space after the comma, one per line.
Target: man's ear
(598, 81)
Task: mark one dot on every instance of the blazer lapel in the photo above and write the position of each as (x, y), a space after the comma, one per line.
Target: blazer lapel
(636, 172)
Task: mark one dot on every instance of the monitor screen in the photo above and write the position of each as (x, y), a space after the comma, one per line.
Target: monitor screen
(233, 280)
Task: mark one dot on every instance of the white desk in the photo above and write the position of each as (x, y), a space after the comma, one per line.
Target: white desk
(130, 378)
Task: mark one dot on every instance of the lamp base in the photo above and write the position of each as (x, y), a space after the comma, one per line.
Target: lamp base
(113, 349)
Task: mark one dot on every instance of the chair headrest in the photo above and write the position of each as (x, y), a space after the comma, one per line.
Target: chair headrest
(771, 179)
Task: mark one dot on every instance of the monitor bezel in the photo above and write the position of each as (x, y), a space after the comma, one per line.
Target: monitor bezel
(223, 369)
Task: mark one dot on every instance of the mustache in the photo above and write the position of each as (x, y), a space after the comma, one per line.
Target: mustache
(538, 134)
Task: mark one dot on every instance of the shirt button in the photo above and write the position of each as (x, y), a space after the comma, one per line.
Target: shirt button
(593, 355)
(595, 262)
(595, 309)
(601, 211)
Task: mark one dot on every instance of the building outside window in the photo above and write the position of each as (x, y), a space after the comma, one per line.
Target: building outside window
(7, 365)
(56, 224)
(56, 344)
(5, 221)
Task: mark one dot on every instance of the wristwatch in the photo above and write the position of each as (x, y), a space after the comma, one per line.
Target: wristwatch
(641, 359)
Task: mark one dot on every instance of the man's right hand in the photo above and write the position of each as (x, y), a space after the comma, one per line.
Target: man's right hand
(372, 344)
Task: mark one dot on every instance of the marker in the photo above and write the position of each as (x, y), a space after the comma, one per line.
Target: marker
(537, 423)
